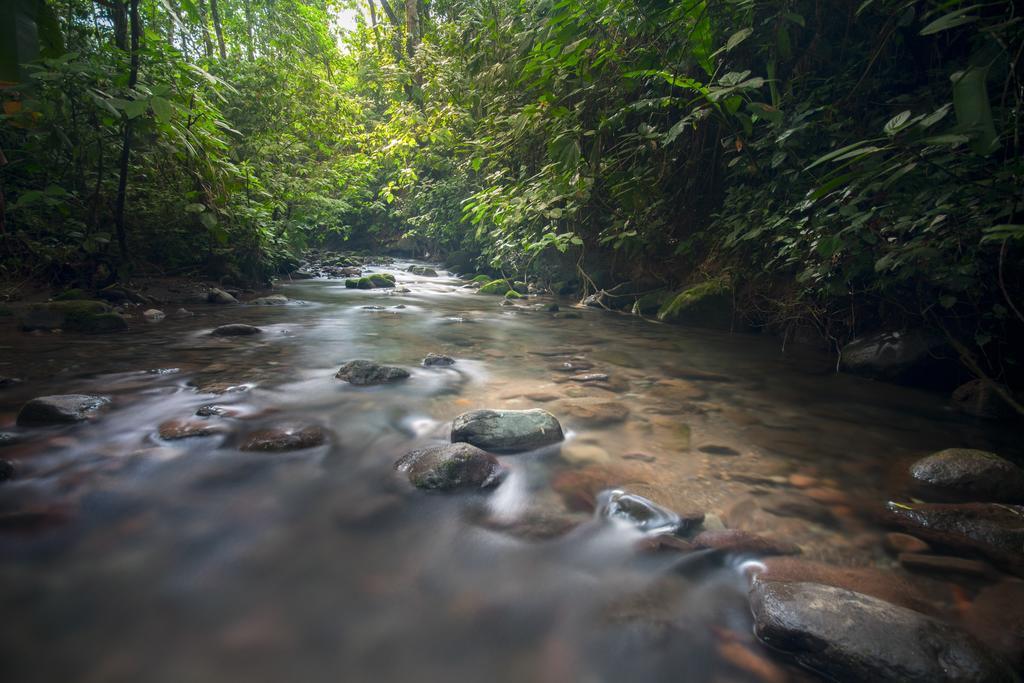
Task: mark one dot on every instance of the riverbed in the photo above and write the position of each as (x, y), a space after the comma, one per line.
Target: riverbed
(126, 556)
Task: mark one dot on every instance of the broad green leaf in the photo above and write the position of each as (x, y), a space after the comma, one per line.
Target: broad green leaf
(162, 108)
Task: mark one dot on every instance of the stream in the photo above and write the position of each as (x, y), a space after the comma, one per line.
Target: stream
(126, 556)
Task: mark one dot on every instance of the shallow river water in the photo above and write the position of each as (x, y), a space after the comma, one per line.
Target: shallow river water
(126, 557)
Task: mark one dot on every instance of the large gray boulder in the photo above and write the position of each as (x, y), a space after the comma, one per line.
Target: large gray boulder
(63, 409)
(969, 474)
(219, 296)
(907, 357)
(452, 466)
(850, 636)
(507, 430)
(366, 373)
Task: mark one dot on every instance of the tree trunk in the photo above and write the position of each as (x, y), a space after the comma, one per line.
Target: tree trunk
(126, 143)
(248, 30)
(217, 28)
(207, 42)
(412, 27)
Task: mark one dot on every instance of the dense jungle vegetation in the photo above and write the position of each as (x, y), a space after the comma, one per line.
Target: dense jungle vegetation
(844, 166)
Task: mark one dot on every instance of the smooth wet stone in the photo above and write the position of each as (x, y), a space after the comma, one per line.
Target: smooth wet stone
(219, 296)
(596, 412)
(739, 541)
(438, 360)
(173, 430)
(284, 438)
(590, 377)
(507, 430)
(880, 583)
(968, 474)
(235, 330)
(7, 382)
(63, 409)
(449, 467)
(366, 373)
(214, 410)
(272, 300)
(8, 439)
(850, 636)
(7, 470)
(154, 315)
(578, 453)
(993, 530)
(980, 399)
(645, 515)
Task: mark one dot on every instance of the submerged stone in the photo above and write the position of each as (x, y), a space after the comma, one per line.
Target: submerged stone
(61, 409)
(285, 438)
(235, 330)
(272, 300)
(436, 359)
(739, 541)
(174, 430)
(366, 373)
(452, 466)
(507, 430)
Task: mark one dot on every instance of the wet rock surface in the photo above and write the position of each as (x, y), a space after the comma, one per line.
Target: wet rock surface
(967, 474)
(850, 636)
(646, 515)
(438, 360)
(62, 409)
(452, 466)
(992, 530)
(272, 300)
(289, 437)
(219, 296)
(236, 330)
(367, 373)
(172, 430)
(507, 430)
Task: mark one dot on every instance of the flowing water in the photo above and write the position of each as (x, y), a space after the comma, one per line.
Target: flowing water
(127, 557)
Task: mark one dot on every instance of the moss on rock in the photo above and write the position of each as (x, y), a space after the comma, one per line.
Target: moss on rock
(496, 287)
(707, 304)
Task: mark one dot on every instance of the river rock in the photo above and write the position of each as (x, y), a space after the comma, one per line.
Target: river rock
(905, 543)
(970, 474)
(645, 515)
(452, 466)
(7, 382)
(892, 356)
(219, 296)
(235, 330)
(943, 564)
(91, 317)
(366, 373)
(173, 430)
(596, 412)
(153, 315)
(272, 300)
(850, 636)
(980, 399)
(993, 530)
(424, 271)
(63, 409)
(7, 470)
(284, 438)
(438, 360)
(8, 439)
(739, 541)
(507, 430)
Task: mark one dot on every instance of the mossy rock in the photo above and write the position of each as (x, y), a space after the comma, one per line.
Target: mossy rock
(513, 294)
(73, 316)
(708, 304)
(379, 280)
(71, 295)
(496, 287)
(521, 287)
(650, 303)
(482, 279)
(352, 283)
